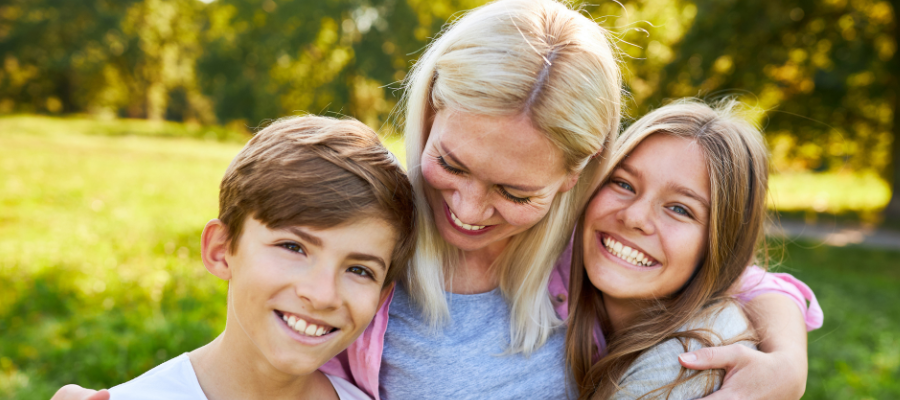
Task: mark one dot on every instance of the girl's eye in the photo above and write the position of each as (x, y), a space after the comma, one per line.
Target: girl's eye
(514, 199)
(296, 248)
(680, 210)
(448, 167)
(361, 271)
(624, 185)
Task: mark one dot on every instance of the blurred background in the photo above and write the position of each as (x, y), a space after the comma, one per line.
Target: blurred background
(118, 119)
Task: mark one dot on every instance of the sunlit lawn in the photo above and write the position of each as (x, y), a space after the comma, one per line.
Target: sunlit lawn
(100, 277)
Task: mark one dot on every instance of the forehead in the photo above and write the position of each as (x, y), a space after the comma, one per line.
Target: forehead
(671, 160)
(505, 149)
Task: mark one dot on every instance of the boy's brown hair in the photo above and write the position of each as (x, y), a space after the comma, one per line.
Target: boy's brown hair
(319, 172)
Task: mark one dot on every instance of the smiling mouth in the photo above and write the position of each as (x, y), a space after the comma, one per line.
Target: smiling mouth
(304, 327)
(460, 224)
(627, 254)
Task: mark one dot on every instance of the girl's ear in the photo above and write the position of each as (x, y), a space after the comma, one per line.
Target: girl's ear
(571, 180)
(214, 249)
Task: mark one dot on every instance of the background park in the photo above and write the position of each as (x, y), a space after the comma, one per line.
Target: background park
(119, 117)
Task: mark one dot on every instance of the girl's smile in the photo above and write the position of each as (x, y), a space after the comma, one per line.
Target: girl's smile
(645, 231)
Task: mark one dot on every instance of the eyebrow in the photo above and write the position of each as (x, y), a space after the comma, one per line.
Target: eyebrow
(305, 236)
(672, 186)
(689, 193)
(631, 170)
(368, 257)
(315, 241)
(517, 188)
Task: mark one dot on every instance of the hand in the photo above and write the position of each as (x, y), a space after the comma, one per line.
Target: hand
(75, 392)
(751, 374)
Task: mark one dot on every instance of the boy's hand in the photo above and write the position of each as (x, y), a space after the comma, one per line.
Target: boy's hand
(75, 392)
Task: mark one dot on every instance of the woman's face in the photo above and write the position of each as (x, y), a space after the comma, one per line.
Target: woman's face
(645, 231)
(489, 178)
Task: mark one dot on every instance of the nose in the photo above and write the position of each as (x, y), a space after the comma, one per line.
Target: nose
(319, 286)
(638, 215)
(471, 202)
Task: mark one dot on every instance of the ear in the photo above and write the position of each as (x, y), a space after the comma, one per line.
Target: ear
(571, 180)
(214, 249)
(384, 294)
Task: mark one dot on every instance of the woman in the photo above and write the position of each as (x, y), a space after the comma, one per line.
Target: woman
(507, 117)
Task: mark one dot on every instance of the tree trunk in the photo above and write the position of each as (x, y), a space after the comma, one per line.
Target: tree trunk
(892, 211)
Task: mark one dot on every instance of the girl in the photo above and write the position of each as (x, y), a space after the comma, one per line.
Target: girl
(659, 248)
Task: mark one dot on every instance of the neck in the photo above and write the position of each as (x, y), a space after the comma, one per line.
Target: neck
(231, 367)
(474, 274)
(620, 312)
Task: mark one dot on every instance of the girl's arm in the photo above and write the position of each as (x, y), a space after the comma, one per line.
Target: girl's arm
(779, 370)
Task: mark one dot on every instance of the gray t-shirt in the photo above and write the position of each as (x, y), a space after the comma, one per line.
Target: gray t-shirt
(464, 359)
(659, 366)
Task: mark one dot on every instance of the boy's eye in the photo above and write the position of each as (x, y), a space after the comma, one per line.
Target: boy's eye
(293, 247)
(514, 199)
(361, 271)
(448, 167)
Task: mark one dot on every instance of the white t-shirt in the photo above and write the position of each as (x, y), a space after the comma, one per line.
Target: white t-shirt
(175, 380)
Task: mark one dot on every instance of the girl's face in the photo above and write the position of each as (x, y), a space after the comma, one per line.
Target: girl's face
(645, 231)
(489, 178)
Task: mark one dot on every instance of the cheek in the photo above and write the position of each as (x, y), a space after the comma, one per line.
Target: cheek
(599, 207)
(363, 304)
(435, 176)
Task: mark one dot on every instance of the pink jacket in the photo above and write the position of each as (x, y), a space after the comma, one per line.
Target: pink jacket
(361, 362)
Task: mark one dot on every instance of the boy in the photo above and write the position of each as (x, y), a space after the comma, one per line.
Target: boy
(316, 220)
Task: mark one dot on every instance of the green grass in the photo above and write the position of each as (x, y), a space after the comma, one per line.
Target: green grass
(856, 353)
(101, 279)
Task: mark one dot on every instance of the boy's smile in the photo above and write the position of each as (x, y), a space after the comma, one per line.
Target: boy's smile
(298, 296)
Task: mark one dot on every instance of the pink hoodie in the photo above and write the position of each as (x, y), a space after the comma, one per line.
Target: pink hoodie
(361, 362)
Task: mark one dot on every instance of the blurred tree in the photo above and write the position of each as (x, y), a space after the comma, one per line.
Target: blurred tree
(822, 72)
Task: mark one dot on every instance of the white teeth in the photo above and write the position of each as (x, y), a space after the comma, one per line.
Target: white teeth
(300, 326)
(632, 256)
(465, 226)
(303, 327)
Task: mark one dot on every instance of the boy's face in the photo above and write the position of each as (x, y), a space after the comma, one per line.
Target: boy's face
(302, 295)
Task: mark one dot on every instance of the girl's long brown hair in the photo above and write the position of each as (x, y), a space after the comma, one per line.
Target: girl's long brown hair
(737, 161)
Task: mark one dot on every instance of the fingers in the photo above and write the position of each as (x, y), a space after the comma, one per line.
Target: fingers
(103, 394)
(726, 357)
(75, 392)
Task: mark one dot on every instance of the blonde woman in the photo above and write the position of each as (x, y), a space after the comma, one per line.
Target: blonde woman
(659, 249)
(507, 119)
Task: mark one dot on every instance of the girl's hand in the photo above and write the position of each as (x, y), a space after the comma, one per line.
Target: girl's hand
(75, 392)
(777, 371)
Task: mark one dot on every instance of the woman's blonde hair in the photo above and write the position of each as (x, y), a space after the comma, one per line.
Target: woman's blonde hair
(533, 57)
(736, 158)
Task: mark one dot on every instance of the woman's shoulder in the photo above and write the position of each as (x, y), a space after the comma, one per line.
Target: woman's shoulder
(720, 324)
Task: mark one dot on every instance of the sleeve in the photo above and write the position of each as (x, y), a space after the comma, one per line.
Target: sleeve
(755, 282)
(659, 365)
